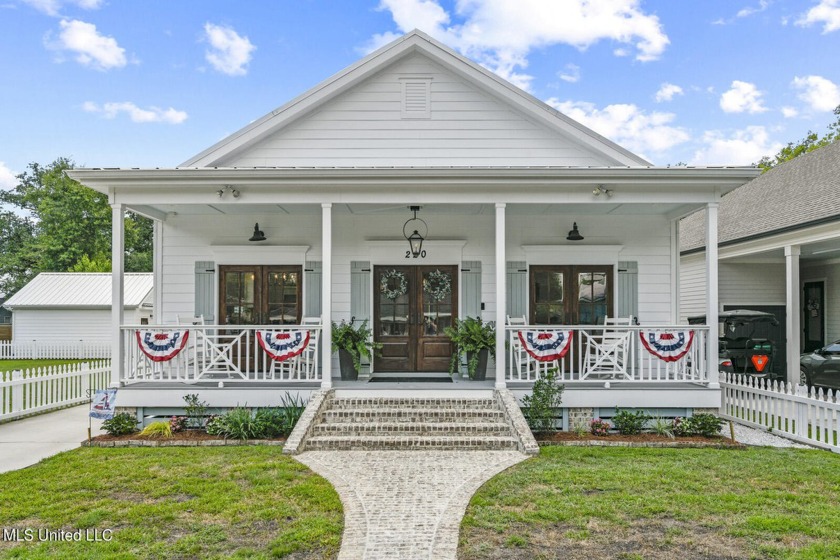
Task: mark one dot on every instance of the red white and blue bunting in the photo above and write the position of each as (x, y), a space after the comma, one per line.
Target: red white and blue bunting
(162, 346)
(668, 346)
(282, 345)
(546, 346)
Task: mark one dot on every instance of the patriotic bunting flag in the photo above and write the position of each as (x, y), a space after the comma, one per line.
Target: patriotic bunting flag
(668, 346)
(282, 345)
(546, 346)
(162, 346)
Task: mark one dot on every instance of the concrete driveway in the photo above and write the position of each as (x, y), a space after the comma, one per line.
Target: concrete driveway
(27, 441)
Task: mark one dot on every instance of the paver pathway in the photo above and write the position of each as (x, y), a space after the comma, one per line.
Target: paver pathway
(26, 441)
(405, 504)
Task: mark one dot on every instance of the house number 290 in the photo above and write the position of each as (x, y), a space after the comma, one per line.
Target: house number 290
(422, 255)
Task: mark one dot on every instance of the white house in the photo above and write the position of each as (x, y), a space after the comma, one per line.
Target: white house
(71, 307)
(779, 244)
(500, 179)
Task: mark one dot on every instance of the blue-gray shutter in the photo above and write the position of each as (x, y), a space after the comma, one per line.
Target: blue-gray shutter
(628, 289)
(205, 286)
(471, 288)
(312, 286)
(517, 289)
(360, 273)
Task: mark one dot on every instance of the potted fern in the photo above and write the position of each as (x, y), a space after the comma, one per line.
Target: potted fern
(353, 344)
(474, 340)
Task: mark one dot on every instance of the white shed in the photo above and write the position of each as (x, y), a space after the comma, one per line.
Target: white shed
(73, 306)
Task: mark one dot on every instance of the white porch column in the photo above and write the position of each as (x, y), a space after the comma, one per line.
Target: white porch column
(326, 295)
(117, 290)
(793, 328)
(712, 294)
(501, 295)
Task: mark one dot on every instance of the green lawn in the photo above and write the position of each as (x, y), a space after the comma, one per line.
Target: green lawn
(174, 503)
(9, 365)
(634, 504)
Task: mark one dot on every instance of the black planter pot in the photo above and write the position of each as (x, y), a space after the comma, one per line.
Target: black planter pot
(348, 369)
(481, 369)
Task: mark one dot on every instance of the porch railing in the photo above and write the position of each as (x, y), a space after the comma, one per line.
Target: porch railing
(614, 353)
(221, 353)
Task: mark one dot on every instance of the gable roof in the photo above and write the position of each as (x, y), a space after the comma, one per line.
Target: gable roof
(413, 42)
(79, 290)
(796, 194)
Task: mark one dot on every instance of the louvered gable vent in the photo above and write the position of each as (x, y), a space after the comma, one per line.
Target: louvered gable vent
(416, 98)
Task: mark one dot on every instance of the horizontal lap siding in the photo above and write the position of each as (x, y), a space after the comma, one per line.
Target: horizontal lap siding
(65, 325)
(692, 286)
(752, 283)
(364, 127)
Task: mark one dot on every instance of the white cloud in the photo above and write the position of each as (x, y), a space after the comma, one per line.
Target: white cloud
(789, 112)
(821, 94)
(53, 7)
(742, 97)
(500, 34)
(570, 73)
(626, 124)
(667, 92)
(750, 10)
(91, 48)
(742, 147)
(8, 181)
(827, 12)
(230, 52)
(135, 113)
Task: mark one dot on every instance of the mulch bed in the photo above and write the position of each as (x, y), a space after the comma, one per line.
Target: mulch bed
(186, 438)
(639, 440)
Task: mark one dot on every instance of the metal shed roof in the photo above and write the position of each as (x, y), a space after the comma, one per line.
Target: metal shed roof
(79, 290)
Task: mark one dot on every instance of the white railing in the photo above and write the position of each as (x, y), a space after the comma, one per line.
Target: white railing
(30, 391)
(607, 354)
(60, 350)
(810, 416)
(221, 353)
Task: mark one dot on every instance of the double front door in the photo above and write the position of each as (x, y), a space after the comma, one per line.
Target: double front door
(570, 295)
(260, 295)
(412, 307)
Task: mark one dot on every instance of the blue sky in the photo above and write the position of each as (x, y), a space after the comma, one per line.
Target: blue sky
(151, 83)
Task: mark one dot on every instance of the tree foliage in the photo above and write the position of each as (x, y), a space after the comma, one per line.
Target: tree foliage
(59, 225)
(809, 143)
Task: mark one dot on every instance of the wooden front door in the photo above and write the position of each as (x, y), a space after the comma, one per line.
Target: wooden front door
(814, 312)
(412, 307)
(260, 295)
(570, 295)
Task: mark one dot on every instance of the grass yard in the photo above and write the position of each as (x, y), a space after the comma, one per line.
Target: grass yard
(228, 502)
(9, 365)
(652, 504)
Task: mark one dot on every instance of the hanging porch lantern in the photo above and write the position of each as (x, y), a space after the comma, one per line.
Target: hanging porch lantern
(415, 240)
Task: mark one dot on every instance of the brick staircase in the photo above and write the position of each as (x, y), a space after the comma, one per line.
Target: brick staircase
(380, 423)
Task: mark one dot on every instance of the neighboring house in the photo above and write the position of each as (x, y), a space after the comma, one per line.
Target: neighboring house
(76, 306)
(500, 178)
(779, 250)
(5, 322)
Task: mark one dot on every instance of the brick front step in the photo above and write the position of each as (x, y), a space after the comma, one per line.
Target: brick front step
(412, 403)
(345, 443)
(413, 428)
(425, 414)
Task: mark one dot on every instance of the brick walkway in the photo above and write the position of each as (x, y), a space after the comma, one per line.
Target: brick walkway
(405, 504)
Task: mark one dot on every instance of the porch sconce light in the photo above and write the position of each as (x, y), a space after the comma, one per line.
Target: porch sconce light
(415, 240)
(258, 234)
(574, 235)
(599, 190)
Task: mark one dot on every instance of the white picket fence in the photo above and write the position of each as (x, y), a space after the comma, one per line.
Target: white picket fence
(812, 417)
(24, 392)
(60, 350)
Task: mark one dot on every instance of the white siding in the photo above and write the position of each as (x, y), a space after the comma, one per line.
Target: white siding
(692, 286)
(365, 127)
(66, 324)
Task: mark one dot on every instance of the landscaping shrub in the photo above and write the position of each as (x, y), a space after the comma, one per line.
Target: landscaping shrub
(121, 424)
(599, 427)
(215, 425)
(541, 404)
(177, 423)
(196, 411)
(629, 423)
(157, 430)
(239, 423)
(266, 422)
(703, 424)
(661, 427)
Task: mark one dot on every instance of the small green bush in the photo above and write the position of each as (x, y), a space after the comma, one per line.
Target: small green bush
(544, 400)
(196, 411)
(240, 423)
(121, 424)
(661, 427)
(629, 423)
(703, 424)
(157, 430)
(599, 427)
(178, 423)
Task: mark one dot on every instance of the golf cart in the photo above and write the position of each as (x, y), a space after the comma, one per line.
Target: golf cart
(740, 350)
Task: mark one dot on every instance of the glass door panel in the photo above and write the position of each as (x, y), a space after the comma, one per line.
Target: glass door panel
(592, 297)
(570, 295)
(548, 296)
(240, 297)
(283, 286)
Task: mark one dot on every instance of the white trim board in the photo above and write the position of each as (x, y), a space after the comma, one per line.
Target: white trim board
(259, 254)
(568, 255)
(438, 252)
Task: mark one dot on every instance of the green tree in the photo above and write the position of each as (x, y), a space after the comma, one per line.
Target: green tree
(66, 227)
(809, 143)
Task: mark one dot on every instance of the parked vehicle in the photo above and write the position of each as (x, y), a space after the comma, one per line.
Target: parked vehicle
(740, 350)
(821, 368)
